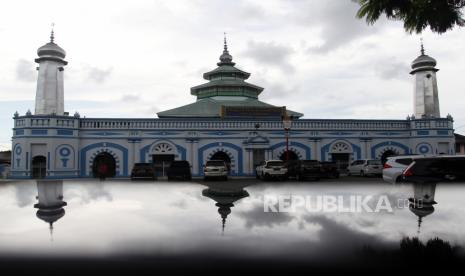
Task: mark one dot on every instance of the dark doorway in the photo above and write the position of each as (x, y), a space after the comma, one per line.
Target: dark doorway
(104, 165)
(39, 167)
(387, 154)
(341, 160)
(162, 162)
(258, 156)
(221, 155)
(292, 156)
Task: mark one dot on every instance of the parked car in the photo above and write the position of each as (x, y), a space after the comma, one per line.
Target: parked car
(395, 166)
(216, 169)
(143, 171)
(271, 169)
(329, 169)
(425, 169)
(365, 167)
(179, 169)
(303, 169)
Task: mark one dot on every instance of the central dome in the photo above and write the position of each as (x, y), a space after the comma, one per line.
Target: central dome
(422, 61)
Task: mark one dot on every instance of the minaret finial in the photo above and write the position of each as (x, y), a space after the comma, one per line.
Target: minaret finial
(422, 47)
(225, 43)
(419, 225)
(52, 35)
(222, 227)
(51, 231)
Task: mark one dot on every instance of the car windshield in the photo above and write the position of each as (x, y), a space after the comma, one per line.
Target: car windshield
(215, 163)
(374, 162)
(276, 163)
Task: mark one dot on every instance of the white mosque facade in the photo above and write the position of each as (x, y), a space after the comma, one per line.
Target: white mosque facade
(227, 121)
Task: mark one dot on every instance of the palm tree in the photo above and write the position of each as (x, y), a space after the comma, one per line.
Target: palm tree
(439, 15)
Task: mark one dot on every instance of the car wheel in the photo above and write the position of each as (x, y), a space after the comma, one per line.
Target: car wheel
(362, 173)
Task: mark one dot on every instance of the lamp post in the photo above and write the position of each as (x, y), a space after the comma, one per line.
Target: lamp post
(287, 122)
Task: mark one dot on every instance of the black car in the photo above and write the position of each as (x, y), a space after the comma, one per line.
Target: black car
(143, 171)
(329, 169)
(436, 169)
(179, 169)
(303, 169)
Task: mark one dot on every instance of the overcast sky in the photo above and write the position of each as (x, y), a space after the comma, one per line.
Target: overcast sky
(135, 58)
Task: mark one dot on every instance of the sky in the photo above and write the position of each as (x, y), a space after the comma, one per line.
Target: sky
(136, 58)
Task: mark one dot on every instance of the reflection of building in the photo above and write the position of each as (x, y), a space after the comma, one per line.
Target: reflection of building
(227, 121)
(421, 204)
(225, 195)
(50, 205)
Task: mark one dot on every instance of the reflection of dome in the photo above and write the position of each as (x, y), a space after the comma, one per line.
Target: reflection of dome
(50, 205)
(422, 203)
(50, 216)
(225, 195)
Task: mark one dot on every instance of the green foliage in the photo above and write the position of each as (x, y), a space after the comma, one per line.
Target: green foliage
(417, 15)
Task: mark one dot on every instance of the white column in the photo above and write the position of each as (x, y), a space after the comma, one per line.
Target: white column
(195, 152)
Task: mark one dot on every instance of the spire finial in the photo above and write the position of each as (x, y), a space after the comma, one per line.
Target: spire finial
(225, 42)
(51, 231)
(222, 227)
(422, 47)
(52, 35)
(419, 225)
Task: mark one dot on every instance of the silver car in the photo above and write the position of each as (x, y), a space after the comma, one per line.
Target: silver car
(216, 169)
(365, 167)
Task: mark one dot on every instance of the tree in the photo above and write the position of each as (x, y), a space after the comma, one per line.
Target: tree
(417, 15)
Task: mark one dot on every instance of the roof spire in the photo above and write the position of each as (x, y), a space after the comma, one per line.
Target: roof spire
(422, 47)
(52, 35)
(225, 43)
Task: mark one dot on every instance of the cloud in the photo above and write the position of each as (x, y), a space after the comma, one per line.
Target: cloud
(270, 53)
(130, 98)
(99, 75)
(335, 21)
(25, 71)
(391, 69)
(256, 217)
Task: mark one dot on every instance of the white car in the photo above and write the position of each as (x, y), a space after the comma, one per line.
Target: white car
(216, 168)
(271, 169)
(395, 166)
(365, 167)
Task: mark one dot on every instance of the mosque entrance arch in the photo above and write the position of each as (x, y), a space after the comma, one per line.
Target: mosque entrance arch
(340, 153)
(39, 166)
(221, 155)
(162, 155)
(292, 156)
(104, 165)
(387, 154)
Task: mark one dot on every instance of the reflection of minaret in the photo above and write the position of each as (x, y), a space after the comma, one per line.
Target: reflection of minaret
(421, 204)
(50, 196)
(225, 195)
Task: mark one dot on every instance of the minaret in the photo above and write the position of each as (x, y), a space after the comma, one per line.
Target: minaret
(49, 94)
(422, 203)
(426, 101)
(50, 205)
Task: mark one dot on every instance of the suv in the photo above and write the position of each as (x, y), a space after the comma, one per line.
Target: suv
(179, 169)
(271, 169)
(395, 166)
(435, 169)
(302, 169)
(143, 170)
(365, 167)
(216, 168)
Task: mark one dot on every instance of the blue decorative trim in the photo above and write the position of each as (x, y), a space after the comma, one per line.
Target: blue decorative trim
(101, 145)
(424, 148)
(356, 149)
(105, 133)
(220, 133)
(443, 132)
(339, 133)
(143, 151)
(19, 132)
(67, 132)
(39, 131)
(308, 153)
(422, 132)
(225, 145)
(162, 133)
(389, 143)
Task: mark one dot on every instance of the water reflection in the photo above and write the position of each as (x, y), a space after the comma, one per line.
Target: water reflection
(50, 205)
(225, 194)
(421, 204)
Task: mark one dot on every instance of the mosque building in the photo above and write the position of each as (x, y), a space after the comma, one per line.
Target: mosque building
(226, 121)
